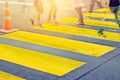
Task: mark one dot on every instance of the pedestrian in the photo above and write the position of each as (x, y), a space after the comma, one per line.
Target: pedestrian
(92, 4)
(39, 8)
(114, 7)
(52, 11)
(78, 5)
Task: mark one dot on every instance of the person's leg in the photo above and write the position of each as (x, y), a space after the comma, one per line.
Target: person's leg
(38, 20)
(99, 4)
(92, 3)
(115, 11)
(32, 21)
(35, 19)
(50, 14)
(54, 12)
(79, 12)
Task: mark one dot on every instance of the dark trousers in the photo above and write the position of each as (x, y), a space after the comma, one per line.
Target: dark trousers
(115, 11)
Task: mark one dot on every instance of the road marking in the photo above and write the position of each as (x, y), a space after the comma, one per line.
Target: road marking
(7, 76)
(61, 43)
(79, 31)
(91, 22)
(37, 60)
(105, 10)
(100, 15)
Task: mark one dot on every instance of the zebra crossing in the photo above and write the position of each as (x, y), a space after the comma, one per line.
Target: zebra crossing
(7, 76)
(56, 58)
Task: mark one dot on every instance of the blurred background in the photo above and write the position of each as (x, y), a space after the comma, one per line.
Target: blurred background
(23, 10)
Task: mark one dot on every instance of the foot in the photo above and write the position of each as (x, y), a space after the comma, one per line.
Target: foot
(86, 17)
(55, 22)
(80, 23)
(32, 21)
(90, 11)
(40, 25)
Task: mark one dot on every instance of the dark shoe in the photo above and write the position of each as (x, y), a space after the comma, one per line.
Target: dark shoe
(101, 32)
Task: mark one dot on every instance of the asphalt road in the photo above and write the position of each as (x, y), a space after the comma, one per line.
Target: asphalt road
(105, 67)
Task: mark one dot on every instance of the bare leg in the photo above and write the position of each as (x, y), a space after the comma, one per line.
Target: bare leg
(79, 12)
(54, 14)
(99, 4)
(34, 19)
(38, 20)
(92, 4)
(50, 14)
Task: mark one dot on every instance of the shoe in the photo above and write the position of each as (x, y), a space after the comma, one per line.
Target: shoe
(101, 32)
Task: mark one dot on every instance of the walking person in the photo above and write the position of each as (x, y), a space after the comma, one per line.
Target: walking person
(114, 7)
(92, 4)
(78, 5)
(39, 8)
(52, 11)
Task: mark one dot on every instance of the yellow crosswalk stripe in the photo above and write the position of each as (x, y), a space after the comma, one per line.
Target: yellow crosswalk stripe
(105, 10)
(60, 43)
(79, 31)
(91, 22)
(100, 15)
(7, 76)
(37, 60)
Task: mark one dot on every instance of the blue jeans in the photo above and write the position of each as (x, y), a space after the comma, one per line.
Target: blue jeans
(115, 11)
